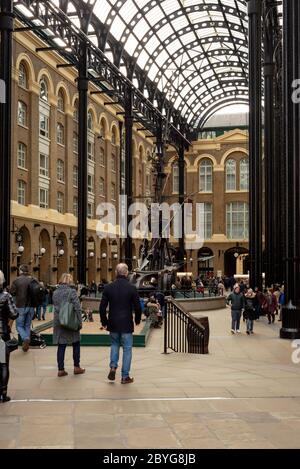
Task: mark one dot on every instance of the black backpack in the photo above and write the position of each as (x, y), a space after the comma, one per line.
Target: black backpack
(35, 293)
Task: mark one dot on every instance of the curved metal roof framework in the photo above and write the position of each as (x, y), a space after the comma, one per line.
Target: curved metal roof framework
(194, 51)
(192, 54)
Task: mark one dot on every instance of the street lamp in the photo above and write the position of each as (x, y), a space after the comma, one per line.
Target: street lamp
(104, 255)
(91, 254)
(115, 256)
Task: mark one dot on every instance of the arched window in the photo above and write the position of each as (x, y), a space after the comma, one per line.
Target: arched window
(102, 129)
(140, 181)
(75, 142)
(114, 136)
(231, 175)
(44, 90)
(75, 206)
(60, 171)
(244, 174)
(60, 134)
(237, 220)
(75, 112)
(205, 176)
(23, 80)
(75, 176)
(101, 187)
(206, 219)
(175, 173)
(61, 101)
(113, 163)
(90, 122)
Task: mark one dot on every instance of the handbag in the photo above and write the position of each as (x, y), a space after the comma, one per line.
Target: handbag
(12, 344)
(67, 316)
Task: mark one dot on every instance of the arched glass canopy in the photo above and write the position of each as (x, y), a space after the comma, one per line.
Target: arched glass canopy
(193, 51)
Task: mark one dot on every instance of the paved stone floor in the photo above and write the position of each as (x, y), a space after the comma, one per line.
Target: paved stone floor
(244, 394)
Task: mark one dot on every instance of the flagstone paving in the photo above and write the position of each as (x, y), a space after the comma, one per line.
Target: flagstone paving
(244, 394)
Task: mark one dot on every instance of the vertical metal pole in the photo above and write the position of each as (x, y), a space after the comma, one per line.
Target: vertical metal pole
(181, 201)
(291, 64)
(82, 164)
(270, 249)
(255, 142)
(128, 170)
(6, 29)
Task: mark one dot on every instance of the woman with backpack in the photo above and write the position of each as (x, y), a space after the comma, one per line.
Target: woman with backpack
(250, 309)
(66, 302)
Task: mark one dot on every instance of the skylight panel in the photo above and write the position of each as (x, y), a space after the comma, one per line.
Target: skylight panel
(154, 15)
(131, 44)
(143, 59)
(141, 28)
(117, 28)
(128, 11)
(102, 9)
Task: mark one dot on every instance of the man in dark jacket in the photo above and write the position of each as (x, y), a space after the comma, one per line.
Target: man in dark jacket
(237, 301)
(122, 298)
(19, 290)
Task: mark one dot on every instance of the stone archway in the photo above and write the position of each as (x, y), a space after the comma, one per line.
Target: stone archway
(27, 256)
(44, 260)
(235, 261)
(62, 261)
(205, 262)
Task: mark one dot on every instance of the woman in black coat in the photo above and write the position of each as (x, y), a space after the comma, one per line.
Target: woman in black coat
(250, 309)
(8, 312)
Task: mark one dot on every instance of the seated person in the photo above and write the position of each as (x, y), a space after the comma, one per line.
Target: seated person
(153, 312)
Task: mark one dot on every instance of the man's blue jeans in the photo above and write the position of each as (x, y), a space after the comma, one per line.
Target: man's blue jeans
(236, 318)
(118, 340)
(23, 322)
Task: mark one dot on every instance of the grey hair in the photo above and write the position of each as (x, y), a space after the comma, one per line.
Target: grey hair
(2, 278)
(122, 269)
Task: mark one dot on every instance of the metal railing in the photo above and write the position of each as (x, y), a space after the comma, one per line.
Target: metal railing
(182, 332)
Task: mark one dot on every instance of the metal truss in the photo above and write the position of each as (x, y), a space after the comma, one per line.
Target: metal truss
(201, 59)
(60, 34)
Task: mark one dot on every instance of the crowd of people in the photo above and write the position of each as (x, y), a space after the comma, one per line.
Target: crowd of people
(28, 298)
(253, 305)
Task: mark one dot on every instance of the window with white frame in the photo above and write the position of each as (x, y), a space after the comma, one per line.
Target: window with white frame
(102, 157)
(21, 192)
(75, 142)
(44, 125)
(75, 176)
(22, 152)
(23, 81)
(102, 187)
(75, 206)
(231, 175)
(244, 174)
(44, 90)
(90, 211)
(206, 219)
(44, 165)
(102, 130)
(60, 170)
(175, 173)
(22, 113)
(60, 202)
(205, 176)
(237, 220)
(60, 134)
(113, 162)
(91, 151)
(44, 197)
(61, 101)
(91, 183)
(113, 191)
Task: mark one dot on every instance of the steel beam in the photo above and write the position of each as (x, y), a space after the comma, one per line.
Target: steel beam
(6, 29)
(255, 141)
(82, 85)
(128, 122)
(291, 66)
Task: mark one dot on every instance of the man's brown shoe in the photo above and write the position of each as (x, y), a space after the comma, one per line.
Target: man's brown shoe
(62, 373)
(112, 374)
(127, 380)
(25, 345)
(78, 370)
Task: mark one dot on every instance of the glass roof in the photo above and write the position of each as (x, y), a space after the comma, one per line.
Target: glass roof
(194, 51)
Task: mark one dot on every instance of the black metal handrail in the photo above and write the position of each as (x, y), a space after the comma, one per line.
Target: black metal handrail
(182, 332)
